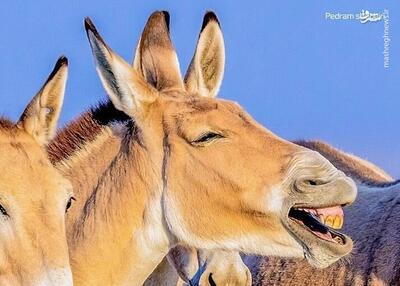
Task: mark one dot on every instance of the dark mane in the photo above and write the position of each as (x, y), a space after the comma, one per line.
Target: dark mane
(346, 164)
(6, 124)
(84, 129)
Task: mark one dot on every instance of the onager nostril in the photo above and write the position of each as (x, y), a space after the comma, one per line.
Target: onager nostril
(309, 184)
(312, 182)
(315, 182)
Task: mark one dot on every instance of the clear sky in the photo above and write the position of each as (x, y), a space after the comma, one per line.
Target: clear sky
(298, 73)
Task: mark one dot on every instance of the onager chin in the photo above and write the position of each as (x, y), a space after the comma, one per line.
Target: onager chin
(165, 162)
(34, 196)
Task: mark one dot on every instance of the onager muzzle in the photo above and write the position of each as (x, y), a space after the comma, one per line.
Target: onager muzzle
(314, 213)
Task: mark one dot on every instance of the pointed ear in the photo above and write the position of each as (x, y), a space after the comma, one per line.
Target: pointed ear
(126, 88)
(42, 113)
(155, 56)
(206, 70)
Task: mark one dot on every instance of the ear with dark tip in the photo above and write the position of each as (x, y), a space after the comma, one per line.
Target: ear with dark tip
(126, 88)
(206, 69)
(41, 115)
(155, 56)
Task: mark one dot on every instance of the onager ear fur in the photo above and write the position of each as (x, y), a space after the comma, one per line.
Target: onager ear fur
(34, 195)
(128, 91)
(41, 115)
(206, 70)
(155, 56)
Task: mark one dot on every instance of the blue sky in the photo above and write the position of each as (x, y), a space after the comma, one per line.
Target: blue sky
(299, 74)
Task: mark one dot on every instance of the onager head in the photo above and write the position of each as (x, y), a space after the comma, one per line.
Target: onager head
(34, 196)
(225, 181)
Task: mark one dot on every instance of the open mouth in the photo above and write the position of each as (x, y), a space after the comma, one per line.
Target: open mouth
(321, 222)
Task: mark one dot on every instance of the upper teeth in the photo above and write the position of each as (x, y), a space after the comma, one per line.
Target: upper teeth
(335, 222)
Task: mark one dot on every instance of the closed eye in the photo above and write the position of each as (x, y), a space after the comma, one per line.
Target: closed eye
(69, 203)
(3, 211)
(206, 138)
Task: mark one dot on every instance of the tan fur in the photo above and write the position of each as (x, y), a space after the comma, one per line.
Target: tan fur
(33, 248)
(147, 182)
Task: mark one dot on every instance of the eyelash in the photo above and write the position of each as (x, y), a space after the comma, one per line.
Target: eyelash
(3, 211)
(69, 204)
(207, 137)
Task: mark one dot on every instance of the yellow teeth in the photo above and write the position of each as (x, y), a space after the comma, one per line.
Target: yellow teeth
(335, 222)
(338, 223)
(329, 221)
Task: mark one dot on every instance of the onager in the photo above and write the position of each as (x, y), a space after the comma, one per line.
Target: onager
(34, 196)
(165, 162)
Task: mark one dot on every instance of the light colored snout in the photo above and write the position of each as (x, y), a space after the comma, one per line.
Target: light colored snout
(319, 189)
(56, 277)
(315, 179)
(340, 189)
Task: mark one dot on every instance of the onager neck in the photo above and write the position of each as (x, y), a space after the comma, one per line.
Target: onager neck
(116, 230)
